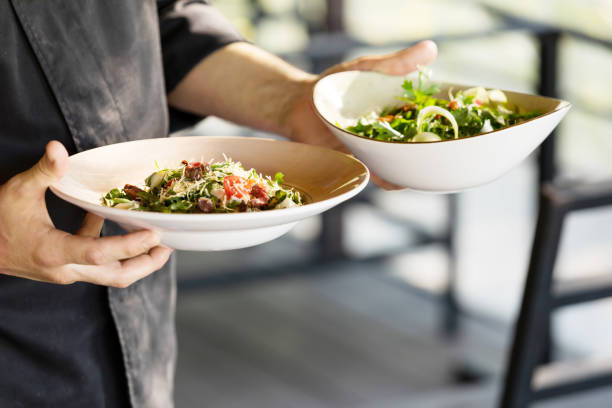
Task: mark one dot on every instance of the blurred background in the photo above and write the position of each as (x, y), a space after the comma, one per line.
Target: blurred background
(401, 299)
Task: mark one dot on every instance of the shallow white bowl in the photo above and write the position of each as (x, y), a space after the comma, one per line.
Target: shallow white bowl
(444, 166)
(326, 177)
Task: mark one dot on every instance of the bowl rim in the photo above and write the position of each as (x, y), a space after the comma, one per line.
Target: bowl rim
(261, 215)
(563, 104)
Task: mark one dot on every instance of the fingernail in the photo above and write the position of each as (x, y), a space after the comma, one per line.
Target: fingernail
(431, 44)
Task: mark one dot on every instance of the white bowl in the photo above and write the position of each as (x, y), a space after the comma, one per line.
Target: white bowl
(443, 166)
(326, 177)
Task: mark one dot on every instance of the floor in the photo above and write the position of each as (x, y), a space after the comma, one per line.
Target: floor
(350, 336)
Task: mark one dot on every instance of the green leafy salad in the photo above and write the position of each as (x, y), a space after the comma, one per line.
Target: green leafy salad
(422, 117)
(199, 187)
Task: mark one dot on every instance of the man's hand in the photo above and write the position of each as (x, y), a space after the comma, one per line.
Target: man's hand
(31, 247)
(303, 124)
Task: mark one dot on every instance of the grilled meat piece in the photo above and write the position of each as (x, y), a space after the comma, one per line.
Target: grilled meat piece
(132, 191)
(206, 205)
(195, 170)
(259, 197)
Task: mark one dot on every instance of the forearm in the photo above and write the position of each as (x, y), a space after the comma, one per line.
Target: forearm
(243, 84)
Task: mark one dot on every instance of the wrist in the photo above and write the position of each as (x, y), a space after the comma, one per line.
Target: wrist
(299, 104)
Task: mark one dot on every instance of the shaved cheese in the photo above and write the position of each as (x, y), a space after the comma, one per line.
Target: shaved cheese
(497, 96)
(286, 203)
(486, 126)
(125, 206)
(218, 193)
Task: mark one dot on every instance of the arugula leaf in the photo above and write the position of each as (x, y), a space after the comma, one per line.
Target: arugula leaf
(433, 89)
(280, 195)
(279, 178)
(180, 206)
(422, 94)
(386, 128)
(115, 193)
(297, 197)
(410, 92)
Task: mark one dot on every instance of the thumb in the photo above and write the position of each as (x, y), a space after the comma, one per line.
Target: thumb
(50, 168)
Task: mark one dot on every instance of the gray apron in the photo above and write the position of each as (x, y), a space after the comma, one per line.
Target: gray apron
(105, 55)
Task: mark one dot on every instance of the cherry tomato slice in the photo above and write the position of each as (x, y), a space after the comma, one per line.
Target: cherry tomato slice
(236, 186)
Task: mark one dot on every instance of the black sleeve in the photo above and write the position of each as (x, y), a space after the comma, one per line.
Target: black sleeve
(190, 30)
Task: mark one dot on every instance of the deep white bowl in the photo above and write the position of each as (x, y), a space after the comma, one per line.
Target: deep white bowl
(326, 177)
(443, 166)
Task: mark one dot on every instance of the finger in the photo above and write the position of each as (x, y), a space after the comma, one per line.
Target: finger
(49, 169)
(91, 226)
(142, 265)
(398, 63)
(62, 248)
(385, 185)
(122, 274)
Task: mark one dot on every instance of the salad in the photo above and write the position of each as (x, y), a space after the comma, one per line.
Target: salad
(422, 117)
(198, 187)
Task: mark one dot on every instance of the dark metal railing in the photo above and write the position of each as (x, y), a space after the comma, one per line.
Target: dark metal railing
(542, 297)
